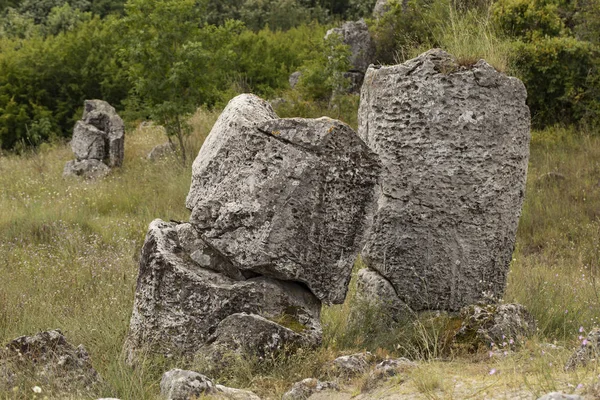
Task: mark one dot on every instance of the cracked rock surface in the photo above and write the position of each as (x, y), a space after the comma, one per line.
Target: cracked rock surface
(277, 218)
(284, 198)
(98, 136)
(180, 305)
(454, 145)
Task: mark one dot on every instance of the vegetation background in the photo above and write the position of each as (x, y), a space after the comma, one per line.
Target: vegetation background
(69, 249)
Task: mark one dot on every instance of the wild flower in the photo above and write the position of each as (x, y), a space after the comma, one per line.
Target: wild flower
(492, 371)
(36, 389)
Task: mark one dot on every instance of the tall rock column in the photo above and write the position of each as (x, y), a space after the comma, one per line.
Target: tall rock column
(454, 145)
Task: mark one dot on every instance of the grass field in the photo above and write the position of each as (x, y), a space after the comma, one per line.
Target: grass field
(69, 250)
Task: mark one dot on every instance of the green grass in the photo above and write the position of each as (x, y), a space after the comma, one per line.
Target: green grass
(69, 249)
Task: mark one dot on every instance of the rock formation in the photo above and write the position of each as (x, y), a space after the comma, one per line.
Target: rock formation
(277, 218)
(499, 327)
(179, 384)
(356, 35)
(454, 144)
(98, 138)
(50, 360)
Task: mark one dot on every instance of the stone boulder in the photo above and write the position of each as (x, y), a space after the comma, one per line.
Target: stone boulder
(560, 396)
(356, 35)
(375, 290)
(285, 198)
(51, 361)
(161, 151)
(307, 387)
(454, 144)
(294, 78)
(99, 136)
(87, 169)
(588, 351)
(500, 327)
(178, 384)
(183, 302)
(353, 364)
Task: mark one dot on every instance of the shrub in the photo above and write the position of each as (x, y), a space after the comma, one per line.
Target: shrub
(562, 79)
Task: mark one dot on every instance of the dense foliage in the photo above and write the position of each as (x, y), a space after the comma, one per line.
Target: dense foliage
(163, 58)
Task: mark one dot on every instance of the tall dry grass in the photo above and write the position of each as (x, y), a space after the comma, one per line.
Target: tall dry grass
(69, 249)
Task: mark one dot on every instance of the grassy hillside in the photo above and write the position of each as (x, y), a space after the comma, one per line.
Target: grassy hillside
(69, 250)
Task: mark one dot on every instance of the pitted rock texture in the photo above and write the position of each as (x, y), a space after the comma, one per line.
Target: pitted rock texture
(179, 384)
(588, 351)
(454, 145)
(99, 135)
(49, 359)
(356, 35)
(499, 326)
(376, 290)
(181, 303)
(307, 387)
(242, 333)
(285, 198)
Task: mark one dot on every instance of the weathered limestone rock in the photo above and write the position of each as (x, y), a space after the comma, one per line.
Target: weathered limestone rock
(252, 334)
(284, 198)
(88, 142)
(161, 151)
(454, 144)
(505, 326)
(49, 359)
(102, 116)
(88, 169)
(381, 7)
(181, 304)
(307, 387)
(376, 290)
(178, 384)
(560, 396)
(98, 138)
(294, 78)
(589, 351)
(356, 35)
(354, 364)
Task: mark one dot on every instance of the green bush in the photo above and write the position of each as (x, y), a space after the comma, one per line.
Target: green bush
(43, 82)
(562, 79)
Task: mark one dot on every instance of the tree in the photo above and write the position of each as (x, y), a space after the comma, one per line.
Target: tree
(166, 60)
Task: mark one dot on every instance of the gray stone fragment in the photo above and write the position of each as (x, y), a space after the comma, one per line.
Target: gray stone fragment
(356, 35)
(88, 142)
(504, 325)
(179, 304)
(294, 78)
(49, 359)
(307, 387)
(284, 198)
(252, 334)
(588, 351)
(383, 6)
(161, 151)
(101, 115)
(87, 169)
(560, 396)
(224, 392)
(394, 366)
(454, 144)
(179, 384)
(376, 290)
(353, 364)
